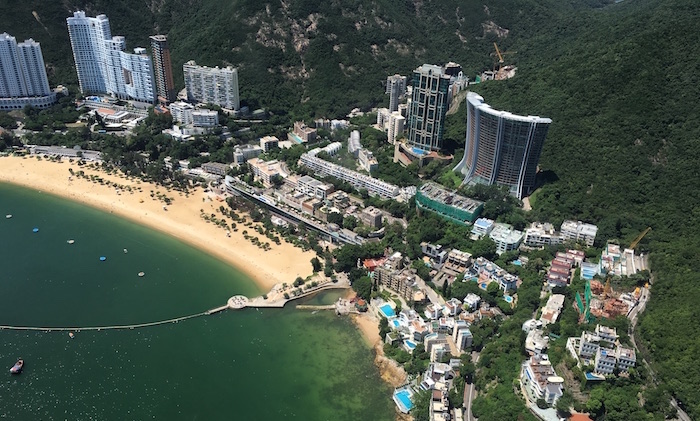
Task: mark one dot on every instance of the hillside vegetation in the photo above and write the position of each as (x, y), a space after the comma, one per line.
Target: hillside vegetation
(619, 80)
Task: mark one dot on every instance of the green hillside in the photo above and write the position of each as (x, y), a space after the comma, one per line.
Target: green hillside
(619, 80)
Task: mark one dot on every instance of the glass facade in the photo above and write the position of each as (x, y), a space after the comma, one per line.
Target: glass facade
(502, 148)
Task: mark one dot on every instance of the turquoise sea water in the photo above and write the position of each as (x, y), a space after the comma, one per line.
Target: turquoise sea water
(242, 365)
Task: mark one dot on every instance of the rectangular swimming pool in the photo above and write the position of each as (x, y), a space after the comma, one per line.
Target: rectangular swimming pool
(404, 398)
(387, 311)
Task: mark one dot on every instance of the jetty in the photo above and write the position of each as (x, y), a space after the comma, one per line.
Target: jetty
(278, 298)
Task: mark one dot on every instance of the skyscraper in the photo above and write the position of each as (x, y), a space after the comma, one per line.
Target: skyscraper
(163, 68)
(395, 88)
(103, 65)
(426, 113)
(212, 85)
(502, 148)
(23, 78)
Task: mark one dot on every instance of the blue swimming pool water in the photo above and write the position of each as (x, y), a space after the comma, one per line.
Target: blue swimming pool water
(508, 299)
(404, 397)
(410, 345)
(517, 262)
(418, 151)
(483, 286)
(387, 311)
(395, 323)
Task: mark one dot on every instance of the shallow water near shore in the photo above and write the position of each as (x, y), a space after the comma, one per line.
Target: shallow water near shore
(250, 364)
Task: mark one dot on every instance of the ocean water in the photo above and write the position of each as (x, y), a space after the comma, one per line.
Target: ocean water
(243, 365)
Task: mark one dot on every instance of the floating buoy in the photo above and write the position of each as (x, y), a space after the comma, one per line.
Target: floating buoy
(8, 216)
(141, 274)
(102, 258)
(71, 241)
(35, 230)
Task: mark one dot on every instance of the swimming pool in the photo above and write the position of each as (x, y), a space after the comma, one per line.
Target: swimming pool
(483, 286)
(419, 152)
(395, 323)
(508, 299)
(410, 345)
(403, 400)
(517, 262)
(387, 311)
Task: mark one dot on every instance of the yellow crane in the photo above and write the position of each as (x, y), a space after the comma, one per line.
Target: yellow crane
(498, 53)
(639, 238)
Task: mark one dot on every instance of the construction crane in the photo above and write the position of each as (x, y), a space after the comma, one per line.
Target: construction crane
(498, 53)
(638, 239)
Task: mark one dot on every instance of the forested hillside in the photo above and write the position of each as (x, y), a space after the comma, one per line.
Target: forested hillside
(619, 80)
(621, 84)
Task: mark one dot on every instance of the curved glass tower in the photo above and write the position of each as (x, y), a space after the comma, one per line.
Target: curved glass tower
(501, 148)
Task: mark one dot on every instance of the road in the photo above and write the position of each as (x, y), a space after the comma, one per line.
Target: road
(469, 393)
(634, 316)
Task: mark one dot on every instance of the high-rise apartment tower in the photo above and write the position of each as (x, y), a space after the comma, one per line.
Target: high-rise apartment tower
(395, 88)
(103, 65)
(23, 78)
(426, 112)
(163, 69)
(212, 85)
(502, 148)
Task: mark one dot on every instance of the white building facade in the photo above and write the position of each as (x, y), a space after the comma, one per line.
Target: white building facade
(103, 65)
(23, 78)
(212, 85)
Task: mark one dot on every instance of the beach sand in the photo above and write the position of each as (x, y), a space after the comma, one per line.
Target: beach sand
(181, 220)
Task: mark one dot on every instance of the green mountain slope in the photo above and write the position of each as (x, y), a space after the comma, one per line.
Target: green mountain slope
(621, 84)
(619, 80)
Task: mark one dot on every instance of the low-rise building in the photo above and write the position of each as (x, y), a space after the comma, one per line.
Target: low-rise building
(540, 381)
(435, 252)
(536, 342)
(486, 272)
(373, 185)
(482, 227)
(269, 142)
(541, 234)
(461, 335)
(471, 301)
(367, 160)
(314, 188)
(265, 171)
(243, 153)
(506, 237)
(458, 261)
(205, 118)
(354, 144)
(371, 216)
(578, 231)
(551, 311)
(302, 133)
(215, 168)
(448, 204)
(452, 307)
(602, 350)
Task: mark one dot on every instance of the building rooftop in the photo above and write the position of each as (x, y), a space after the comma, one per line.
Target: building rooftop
(438, 193)
(506, 234)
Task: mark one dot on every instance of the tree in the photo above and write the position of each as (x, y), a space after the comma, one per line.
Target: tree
(363, 287)
(493, 289)
(484, 247)
(316, 264)
(335, 218)
(350, 222)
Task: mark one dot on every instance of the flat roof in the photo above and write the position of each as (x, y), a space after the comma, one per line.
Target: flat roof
(440, 194)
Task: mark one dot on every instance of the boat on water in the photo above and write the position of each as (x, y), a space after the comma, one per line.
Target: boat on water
(8, 216)
(141, 274)
(126, 251)
(71, 334)
(70, 241)
(17, 368)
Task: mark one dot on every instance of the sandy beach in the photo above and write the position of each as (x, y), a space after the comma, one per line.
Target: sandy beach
(181, 220)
